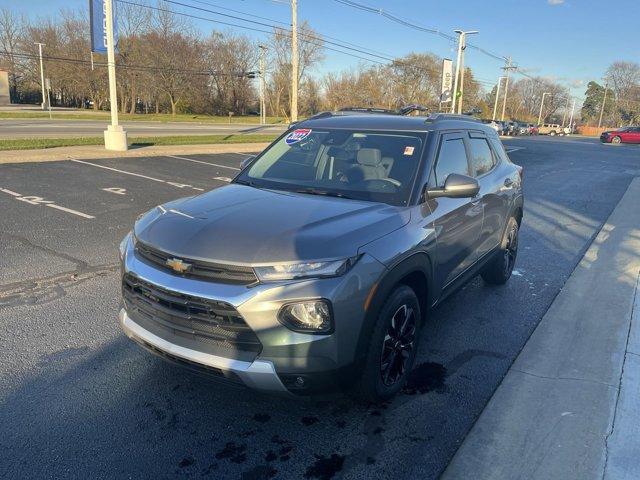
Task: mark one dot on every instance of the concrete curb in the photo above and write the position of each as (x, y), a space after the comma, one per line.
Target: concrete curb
(565, 409)
(95, 151)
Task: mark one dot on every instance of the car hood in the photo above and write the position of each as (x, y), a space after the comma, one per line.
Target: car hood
(249, 226)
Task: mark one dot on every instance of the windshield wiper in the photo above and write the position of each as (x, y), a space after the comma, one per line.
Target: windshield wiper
(314, 191)
(248, 183)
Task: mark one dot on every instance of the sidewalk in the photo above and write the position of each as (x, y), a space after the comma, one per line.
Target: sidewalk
(88, 152)
(569, 406)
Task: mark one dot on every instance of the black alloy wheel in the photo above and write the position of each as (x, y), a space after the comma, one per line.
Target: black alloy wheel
(511, 249)
(398, 345)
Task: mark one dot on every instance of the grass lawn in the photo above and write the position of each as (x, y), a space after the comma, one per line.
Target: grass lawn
(33, 143)
(152, 117)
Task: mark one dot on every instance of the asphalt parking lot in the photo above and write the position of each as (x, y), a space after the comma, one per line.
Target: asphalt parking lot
(79, 400)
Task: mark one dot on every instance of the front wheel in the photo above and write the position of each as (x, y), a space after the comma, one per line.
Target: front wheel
(499, 270)
(392, 347)
(617, 140)
(552, 133)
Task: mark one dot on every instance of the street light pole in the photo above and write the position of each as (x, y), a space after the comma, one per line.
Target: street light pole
(541, 105)
(462, 35)
(495, 103)
(294, 60)
(263, 115)
(115, 138)
(44, 98)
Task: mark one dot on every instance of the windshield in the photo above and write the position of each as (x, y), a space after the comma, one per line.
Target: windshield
(362, 165)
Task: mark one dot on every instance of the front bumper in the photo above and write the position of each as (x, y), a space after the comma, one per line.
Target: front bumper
(286, 356)
(259, 374)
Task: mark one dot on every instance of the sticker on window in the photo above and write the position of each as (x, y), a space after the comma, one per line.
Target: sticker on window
(297, 135)
(409, 150)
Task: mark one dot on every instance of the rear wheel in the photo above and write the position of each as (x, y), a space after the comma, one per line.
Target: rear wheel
(499, 270)
(617, 140)
(392, 347)
(552, 133)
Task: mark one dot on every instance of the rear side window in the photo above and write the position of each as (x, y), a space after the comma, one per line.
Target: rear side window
(482, 160)
(452, 158)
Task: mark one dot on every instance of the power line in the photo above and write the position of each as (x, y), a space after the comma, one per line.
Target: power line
(406, 23)
(201, 2)
(51, 58)
(254, 29)
(323, 38)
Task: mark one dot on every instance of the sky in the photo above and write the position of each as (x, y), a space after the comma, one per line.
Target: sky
(569, 41)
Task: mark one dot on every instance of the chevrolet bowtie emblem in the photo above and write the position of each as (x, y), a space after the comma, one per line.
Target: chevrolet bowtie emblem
(178, 265)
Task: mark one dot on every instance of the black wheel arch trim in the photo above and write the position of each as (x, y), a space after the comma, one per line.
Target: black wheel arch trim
(419, 262)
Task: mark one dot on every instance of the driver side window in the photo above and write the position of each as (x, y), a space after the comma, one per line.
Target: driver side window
(452, 158)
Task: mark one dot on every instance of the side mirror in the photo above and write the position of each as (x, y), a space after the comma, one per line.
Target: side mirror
(455, 186)
(246, 161)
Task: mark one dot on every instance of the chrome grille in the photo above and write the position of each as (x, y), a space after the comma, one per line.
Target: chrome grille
(233, 274)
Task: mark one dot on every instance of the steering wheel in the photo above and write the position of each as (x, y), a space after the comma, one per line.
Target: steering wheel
(308, 144)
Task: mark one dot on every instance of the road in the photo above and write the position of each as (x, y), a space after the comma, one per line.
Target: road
(45, 128)
(79, 400)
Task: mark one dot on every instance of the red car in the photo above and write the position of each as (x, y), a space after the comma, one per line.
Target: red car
(622, 135)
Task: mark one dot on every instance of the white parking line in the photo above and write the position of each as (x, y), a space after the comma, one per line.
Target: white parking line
(515, 149)
(35, 200)
(200, 161)
(69, 210)
(9, 192)
(159, 180)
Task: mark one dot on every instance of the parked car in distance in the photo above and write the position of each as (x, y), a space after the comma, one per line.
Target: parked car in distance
(533, 129)
(622, 135)
(493, 124)
(550, 129)
(523, 128)
(317, 266)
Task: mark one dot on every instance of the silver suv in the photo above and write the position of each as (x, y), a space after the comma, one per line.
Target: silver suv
(317, 266)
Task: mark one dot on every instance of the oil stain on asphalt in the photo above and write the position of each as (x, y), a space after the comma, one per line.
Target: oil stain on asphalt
(425, 378)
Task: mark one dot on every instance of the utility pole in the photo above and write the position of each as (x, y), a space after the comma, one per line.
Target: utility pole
(115, 138)
(566, 109)
(263, 114)
(604, 99)
(508, 67)
(573, 109)
(44, 98)
(495, 103)
(462, 35)
(541, 105)
(294, 60)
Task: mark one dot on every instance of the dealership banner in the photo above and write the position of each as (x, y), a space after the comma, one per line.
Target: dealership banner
(447, 80)
(98, 20)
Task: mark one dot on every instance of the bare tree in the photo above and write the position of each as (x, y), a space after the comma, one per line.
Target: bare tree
(11, 33)
(310, 53)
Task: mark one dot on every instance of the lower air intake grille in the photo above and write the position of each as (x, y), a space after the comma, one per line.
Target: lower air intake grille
(217, 327)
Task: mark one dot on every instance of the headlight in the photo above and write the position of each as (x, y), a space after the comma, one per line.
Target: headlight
(294, 271)
(312, 316)
(123, 245)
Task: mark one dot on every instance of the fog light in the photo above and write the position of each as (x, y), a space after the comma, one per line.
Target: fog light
(312, 316)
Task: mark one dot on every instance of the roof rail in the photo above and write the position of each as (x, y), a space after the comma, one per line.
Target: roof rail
(369, 110)
(436, 117)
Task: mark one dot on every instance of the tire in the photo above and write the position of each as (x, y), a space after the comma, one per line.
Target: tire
(616, 140)
(498, 271)
(390, 353)
(552, 133)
